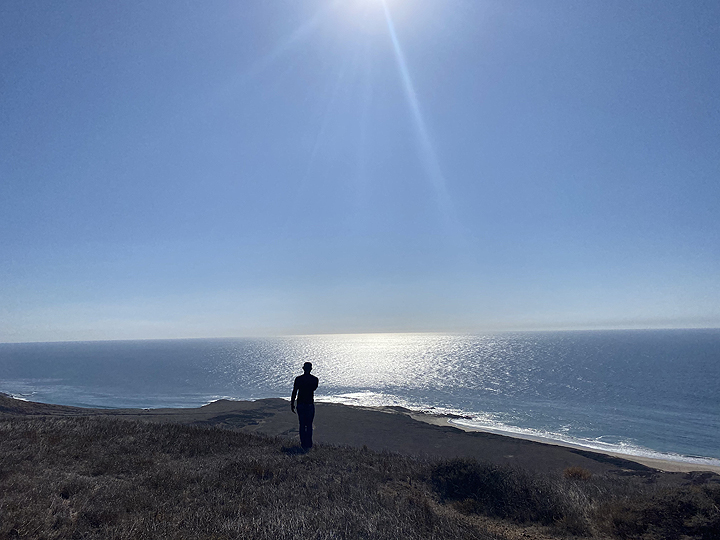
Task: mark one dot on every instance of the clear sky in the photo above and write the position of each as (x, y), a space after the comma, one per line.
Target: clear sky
(231, 168)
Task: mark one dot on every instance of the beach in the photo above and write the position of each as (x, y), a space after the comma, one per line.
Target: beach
(392, 429)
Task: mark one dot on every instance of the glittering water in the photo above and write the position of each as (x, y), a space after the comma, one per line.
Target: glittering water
(654, 393)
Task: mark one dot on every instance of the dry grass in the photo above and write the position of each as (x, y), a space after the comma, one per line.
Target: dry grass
(64, 478)
(577, 473)
(680, 513)
(581, 504)
(103, 478)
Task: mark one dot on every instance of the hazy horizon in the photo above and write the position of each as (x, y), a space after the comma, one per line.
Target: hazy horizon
(240, 169)
(486, 332)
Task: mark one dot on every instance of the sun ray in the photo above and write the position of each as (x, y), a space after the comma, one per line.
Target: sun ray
(426, 148)
(229, 91)
(300, 33)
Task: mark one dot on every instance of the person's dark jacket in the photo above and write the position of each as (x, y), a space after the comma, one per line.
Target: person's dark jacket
(305, 386)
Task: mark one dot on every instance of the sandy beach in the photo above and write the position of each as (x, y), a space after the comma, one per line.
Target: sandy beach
(666, 465)
(384, 429)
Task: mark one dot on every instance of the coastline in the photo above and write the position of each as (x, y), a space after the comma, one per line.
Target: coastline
(666, 465)
(393, 429)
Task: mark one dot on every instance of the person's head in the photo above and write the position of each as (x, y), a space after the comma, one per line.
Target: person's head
(307, 367)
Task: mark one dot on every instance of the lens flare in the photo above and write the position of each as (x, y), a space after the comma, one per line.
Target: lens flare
(426, 148)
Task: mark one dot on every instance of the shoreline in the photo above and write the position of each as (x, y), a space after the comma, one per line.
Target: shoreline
(662, 464)
(388, 428)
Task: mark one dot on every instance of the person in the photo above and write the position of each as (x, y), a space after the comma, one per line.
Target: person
(304, 388)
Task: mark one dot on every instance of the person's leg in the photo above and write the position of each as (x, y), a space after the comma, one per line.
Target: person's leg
(309, 428)
(305, 414)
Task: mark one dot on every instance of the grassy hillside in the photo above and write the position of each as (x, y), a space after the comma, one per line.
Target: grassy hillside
(108, 478)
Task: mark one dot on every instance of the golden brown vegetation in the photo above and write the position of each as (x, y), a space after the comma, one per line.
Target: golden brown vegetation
(577, 473)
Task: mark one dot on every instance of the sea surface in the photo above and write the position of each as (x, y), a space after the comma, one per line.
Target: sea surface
(654, 393)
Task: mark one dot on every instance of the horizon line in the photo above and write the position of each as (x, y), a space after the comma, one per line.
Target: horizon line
(360, 333)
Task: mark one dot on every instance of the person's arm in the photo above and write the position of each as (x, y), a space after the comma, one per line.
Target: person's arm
(292, 399)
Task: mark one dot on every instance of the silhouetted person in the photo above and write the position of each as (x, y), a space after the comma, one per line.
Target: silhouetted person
(304, 387)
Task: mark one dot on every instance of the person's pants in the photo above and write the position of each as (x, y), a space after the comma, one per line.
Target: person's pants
(306, 413)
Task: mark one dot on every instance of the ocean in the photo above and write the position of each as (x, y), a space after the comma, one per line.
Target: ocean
(653, 393)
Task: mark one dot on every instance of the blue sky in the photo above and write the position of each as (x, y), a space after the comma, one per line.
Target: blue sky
(198, 169)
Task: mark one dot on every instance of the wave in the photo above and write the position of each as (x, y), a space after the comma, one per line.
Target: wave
(625, 448)
(488, 423)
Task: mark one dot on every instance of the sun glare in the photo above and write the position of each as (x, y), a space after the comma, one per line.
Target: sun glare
(376, 19)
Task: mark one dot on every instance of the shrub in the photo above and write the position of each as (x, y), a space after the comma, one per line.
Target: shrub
(684, 512)
(510, 493)
(577, 473)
